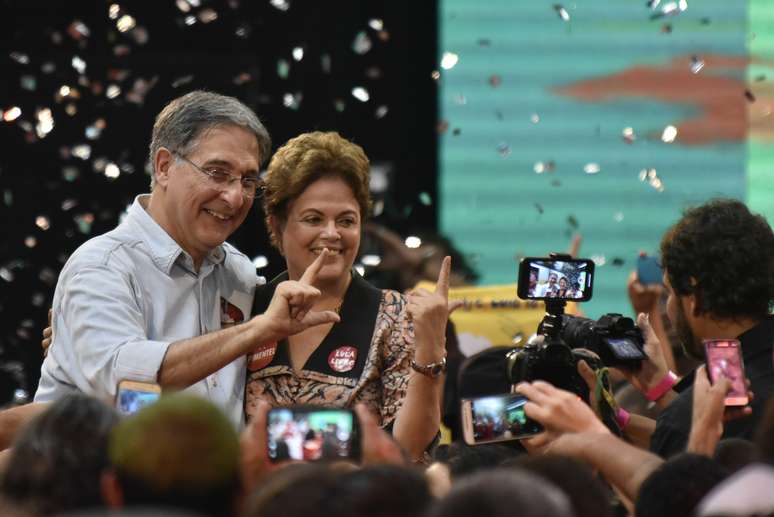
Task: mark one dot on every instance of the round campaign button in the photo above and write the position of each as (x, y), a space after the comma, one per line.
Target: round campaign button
(343, 358)
(262, 356)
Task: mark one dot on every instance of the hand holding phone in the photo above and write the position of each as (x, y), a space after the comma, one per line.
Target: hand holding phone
(131, 396)
(724, 359)
(497, 418)
(306, 433)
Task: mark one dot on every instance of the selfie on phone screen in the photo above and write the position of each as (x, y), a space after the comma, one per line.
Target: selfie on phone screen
(560, 279)
(310, 435)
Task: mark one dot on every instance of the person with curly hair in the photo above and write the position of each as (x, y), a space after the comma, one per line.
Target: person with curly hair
(388, 349)
(718, 262)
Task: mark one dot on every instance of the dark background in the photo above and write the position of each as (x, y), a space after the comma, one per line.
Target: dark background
(51, 200)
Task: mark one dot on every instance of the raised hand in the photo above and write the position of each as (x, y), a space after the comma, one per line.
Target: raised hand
(654, 368)
(558, 410)
(430, 312)
(290, 310)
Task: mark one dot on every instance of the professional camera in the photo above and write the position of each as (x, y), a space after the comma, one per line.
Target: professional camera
(564, 340)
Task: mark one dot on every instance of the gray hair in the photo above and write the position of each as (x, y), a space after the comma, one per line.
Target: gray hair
(184, 120)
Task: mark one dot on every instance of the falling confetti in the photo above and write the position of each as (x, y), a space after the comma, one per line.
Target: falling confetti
(362, 43)
(591, 168)
(360, 94)
(504, 149)
(376, 24)
(534, 118)
(562, 12)
(298, 53)
(449, 60)
(495, 80)
(371, 260)
(749, 95)
(669, 134)
(282, 5)
(425, 199)
(628, 135)
(413, 242)
(260, 262)
(696, 64)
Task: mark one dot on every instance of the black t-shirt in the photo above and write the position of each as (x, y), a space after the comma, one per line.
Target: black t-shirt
(674, 424)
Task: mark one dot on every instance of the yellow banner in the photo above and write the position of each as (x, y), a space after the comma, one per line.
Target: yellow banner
(493, 315)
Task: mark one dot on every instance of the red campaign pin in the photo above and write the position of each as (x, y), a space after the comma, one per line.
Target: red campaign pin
(343, 358)
(262, 356)
(230, 313)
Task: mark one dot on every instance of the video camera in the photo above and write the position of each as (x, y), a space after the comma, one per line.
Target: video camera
(562, 340)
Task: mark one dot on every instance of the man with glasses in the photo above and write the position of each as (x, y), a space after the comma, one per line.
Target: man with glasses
(163, 298)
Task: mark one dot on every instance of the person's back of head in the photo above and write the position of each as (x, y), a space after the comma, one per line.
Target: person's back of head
(723, 253)
(678, 485)
(58, 458)
(588, 495)
(381, 491)
(180, 452)
(464, 459)
(296, 490)
(735, 453)
(503, 493)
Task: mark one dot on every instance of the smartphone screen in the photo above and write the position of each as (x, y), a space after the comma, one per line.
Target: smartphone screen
(132, 396)
(312, 434)
(497, 418)
(649, 270)
(546, 278)
(724, 359)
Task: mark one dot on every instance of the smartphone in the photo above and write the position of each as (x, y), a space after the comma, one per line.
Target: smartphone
(496, 418)
(542, 278)
(131, 396)
(312, 434)
(724, 359)
(649, 270)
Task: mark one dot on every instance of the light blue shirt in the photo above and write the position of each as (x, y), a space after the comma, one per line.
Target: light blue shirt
(125, 296)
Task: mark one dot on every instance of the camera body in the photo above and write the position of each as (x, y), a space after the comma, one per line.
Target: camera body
(614, 338)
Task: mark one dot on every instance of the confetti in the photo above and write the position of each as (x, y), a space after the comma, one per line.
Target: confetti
(669, 134)
(562, 12)
(599, 260)
(618, 217)
(189, 20)
(112, 171)
(69, 204)
(749, 95)
(362, 43)
(425, 199)
(456, 131)
(325, 63)
(243, 30)
(371, 260)
(573, 222)
(20, 57)
(208, 15)
(591, 168)
(42, 222)
(282, 5)
(180, 81)
(504, 149)
(114, 10)
(82, 151)
(12, 114)
(376, 24)
(125, 23)
(628, 135)
(6, 274)
(618, 262)
(283, 68)
(339, 105)
(360, 94)
(541, 167)
(373, 72)
(495, 81)
(78, 64)
(435, 75)
(449, 60)
(260, 262)
(696, 64)
(113, 91)
(460, 100)
(539, 208)
(84, 222)
(182, 5)
(651, 176)
(534, 118)
(292, 100)
(298, 53)
(78, 30)
(484, 42)
(413, 242)
(381, 111)
(45, 122)
(30, 241)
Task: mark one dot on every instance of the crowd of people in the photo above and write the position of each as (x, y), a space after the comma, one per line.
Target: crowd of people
(164, 300)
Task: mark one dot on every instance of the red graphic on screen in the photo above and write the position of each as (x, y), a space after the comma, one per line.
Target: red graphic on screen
(343, 358)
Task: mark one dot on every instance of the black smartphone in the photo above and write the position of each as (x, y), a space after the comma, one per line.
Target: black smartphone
(649, 270)
(307, 433)
(131, 396)
(496, 418)
(542, 278)
(724, 359)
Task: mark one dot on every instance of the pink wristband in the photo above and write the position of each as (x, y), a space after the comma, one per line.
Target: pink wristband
(622, 417)
(660, 389)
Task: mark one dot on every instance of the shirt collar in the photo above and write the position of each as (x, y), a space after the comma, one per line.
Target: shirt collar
(164, 250)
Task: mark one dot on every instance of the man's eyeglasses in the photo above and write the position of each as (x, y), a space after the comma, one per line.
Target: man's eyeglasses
(221, 179)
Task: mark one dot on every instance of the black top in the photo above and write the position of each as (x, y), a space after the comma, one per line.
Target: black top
(674, 424)
(350, 338)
